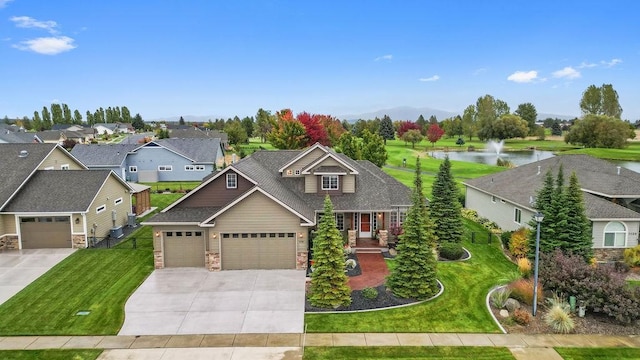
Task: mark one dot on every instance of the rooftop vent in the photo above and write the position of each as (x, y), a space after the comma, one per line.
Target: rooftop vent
(538, 170)
(618, 167)
(23, 153)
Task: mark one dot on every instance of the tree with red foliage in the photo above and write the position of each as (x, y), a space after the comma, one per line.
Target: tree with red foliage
(316, 133)
(405, 126)
(333, 127)
(434, 133)
(288, 132)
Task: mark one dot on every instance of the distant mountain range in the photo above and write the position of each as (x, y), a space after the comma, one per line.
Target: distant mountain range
(395, 113)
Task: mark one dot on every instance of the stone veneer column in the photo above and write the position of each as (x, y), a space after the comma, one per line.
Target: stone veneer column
(383, 237)
(78, 242)
(352, 237)
(11, 242)
(212, 261)
(158, 259)
(302, 259)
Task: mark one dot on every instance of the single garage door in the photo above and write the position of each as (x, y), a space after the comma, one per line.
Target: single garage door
(45, 232)
(258, 251)
(183, 249)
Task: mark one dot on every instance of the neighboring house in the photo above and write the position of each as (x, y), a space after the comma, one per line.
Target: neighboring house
(611, 197)
(49, 199)
(193, 132)
(50, 137)
(17, 137)
(106, 128)
(77, 136)
(259, 212)
(174, 160)
(105, 156)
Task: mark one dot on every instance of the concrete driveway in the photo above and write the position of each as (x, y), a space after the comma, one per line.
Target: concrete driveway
(197, 301)
(19, 268)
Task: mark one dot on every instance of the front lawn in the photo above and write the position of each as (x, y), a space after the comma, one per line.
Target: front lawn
(406, 352)
(51, 354)
(461, 308)
(598, 353)
(96, 280)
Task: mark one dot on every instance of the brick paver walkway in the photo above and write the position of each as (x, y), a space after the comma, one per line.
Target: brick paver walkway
(374, 271)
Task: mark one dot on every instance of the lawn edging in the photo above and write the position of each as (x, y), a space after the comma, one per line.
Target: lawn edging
(487, 300)
(441, 285)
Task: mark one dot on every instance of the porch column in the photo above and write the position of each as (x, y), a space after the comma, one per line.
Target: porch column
(352, 237)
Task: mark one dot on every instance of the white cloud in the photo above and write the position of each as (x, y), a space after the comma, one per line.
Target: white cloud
(29, 22)
(433, 78)
(611, 63)
(4, 3)
(47, 45)
(480, 71)
(568, 73)
(387, 57)
(523, 76)
(585, 64)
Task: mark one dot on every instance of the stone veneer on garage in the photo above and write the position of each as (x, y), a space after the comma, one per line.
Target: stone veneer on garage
(609, 254)
(78, 241)
(9, 242)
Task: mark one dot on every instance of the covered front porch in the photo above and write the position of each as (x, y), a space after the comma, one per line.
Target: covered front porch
(370, 229)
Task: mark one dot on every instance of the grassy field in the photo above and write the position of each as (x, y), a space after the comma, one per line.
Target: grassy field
(599, 353)
(51, 354)
(173, 186)
(407, 352)
(461, 308)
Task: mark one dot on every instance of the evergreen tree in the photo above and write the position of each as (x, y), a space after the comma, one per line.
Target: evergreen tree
(579, 228)
(350, 146)
(544, 198)
(137, 122)
(373, 148)
(181, 121)
(415, 273)
(558, 213)
(386, 129)
(36, 123)
(444, 206)
(46, 119)
(422, 123)
(329, 284)
(77, 117)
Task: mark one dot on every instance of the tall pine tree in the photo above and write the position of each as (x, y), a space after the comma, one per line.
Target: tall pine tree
(444, 206)
(415, 273)
(329, 284)
(386, 129)
(579, 228)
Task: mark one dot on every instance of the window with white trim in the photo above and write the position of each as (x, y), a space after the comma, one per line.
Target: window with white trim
(133, 169)
(329, 182)
(393, 217)
(189, 168)
(64, 167)
(101, 208)
(517, 216)
(340, 221)
(232, 181)
(199, 167)
(117, 201)
(165, 168)
(615, 234)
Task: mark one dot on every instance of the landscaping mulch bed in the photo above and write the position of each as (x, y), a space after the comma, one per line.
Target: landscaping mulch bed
(590, 324)
(358, 302)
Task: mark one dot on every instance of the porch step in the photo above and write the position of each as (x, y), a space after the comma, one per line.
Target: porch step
(369, 250)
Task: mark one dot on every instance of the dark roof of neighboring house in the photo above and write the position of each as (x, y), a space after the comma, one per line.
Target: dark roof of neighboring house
(95, 155)
(73, 134)
(49, 135)
(197, 133)
(596, 176)
(195, 215)
(198, 150)
(375, 190)
(61, 126)
(16, 169)
(79, 190)
(16, 137)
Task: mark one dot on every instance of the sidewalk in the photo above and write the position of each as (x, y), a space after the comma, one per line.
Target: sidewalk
(289, 346)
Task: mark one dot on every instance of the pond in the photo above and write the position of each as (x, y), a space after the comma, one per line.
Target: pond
(517, 158)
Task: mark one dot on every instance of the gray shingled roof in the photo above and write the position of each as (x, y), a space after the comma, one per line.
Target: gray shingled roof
(199, 150)
(191, 133)
(80, 187)
(180, 214)
(49, 135)
(16, 137)
(15, 169)
(520, 184)
(95, 155)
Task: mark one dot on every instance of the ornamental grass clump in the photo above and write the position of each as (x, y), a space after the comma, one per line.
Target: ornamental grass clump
(524, 267)
(499, 297)
(559, 319)
(522, 290)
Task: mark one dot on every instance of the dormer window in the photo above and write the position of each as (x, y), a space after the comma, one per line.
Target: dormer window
(329, 182)
(232, 181)
(297, 172)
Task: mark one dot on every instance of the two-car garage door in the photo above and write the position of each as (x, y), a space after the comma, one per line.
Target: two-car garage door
(258, 251)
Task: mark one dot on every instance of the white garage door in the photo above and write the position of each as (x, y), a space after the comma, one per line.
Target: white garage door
(184, 249)
(258, 251)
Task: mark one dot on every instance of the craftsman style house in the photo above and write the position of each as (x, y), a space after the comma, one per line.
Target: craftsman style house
(259, 212)
(611, 196)
(49, 199)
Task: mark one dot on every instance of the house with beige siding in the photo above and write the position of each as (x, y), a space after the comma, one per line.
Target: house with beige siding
(611, 198)
(260, 212)
(49, 199)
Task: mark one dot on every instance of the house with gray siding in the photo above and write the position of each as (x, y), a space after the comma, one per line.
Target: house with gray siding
(105, 156)
(611, 196)
(259, 213)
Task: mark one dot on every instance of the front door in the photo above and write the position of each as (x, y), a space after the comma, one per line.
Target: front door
(365, 225)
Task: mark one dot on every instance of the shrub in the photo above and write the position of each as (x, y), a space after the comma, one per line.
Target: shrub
(522, 317)
(601, 288)
(370, 293)
(505, 237)
(470, 214)
(559, 319)
(451, 250)
(522, 290)
(499, 297)
(519, 243)
(632, 256)
(524, 267)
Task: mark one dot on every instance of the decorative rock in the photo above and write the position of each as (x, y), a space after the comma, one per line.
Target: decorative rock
(504, 313)
(393, 252)
(511, 305)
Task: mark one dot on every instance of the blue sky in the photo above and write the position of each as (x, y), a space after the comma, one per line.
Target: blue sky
(224, 58)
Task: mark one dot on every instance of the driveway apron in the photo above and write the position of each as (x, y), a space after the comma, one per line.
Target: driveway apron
(19, 268)
(197, 301)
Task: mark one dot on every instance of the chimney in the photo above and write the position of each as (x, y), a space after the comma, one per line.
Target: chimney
(618, 167)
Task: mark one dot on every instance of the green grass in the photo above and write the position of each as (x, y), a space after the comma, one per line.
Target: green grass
(50, 354)
(173, 186)
(461, 308)
(598, 353)
(631, 153)
(406, 352)
(95, 280)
